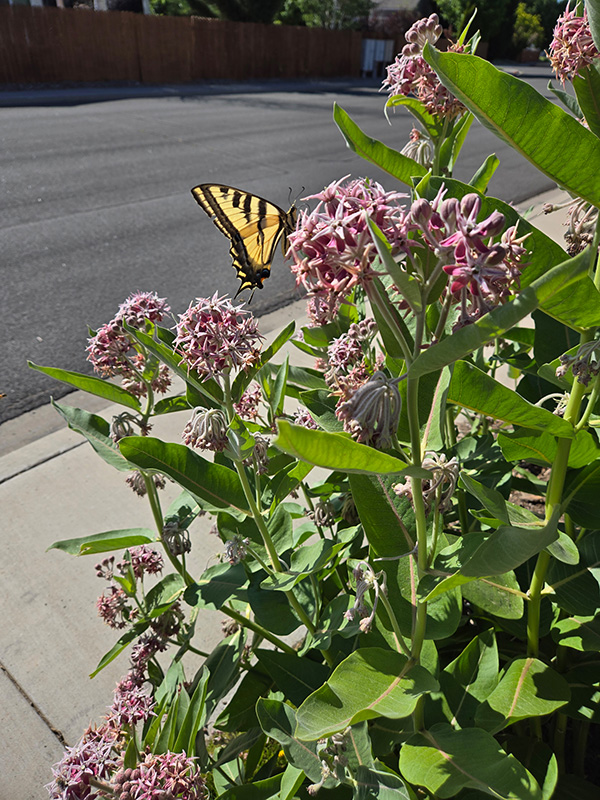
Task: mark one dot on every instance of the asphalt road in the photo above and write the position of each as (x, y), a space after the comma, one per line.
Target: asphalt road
(95, 199)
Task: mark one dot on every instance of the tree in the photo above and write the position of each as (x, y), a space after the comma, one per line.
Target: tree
(333, 14)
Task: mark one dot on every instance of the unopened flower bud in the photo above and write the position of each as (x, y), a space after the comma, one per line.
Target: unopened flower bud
(207, 430)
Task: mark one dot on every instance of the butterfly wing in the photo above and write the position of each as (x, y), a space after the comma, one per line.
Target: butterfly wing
(252, 224)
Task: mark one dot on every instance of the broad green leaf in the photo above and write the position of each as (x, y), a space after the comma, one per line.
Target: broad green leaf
(334, 451)
(90, 384)
(259, 790)
(540, 292)
(579, 633)
(470, 678)
(371, 682)
(216, 585)
(213, 482)
(169, 405)
(576, 587)
(137, 630)
(432, 125)
(279, 722)
(490, 499)
(277, 395)
(272, 610)
(528, 688)
(322, 407)
(379, 783)
(223, 664)
(539, 447)
(239, 714)
(296, 677)
(587, 88)
(482, 177)
(499, 595)
(564, 549)
(97, 431)
(452, 144)
(445, 761)
(537, 757)
(584, 682)
(105, 542)
(580, 496)
(471, 388)
(164, 593)
(291, 781)
(593, 10)
(389, 160)
(305, 561)
(538, 129)
(281, 529)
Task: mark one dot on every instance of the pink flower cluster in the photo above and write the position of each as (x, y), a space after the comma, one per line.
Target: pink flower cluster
(161, 775)
(131, 703)
(348, 367)
(332, 247)
(247, 408)
(112, 352)
(92, 757)
(572, 48)
(216, 337)
(484, 272)
(411, 74)
(143, 559)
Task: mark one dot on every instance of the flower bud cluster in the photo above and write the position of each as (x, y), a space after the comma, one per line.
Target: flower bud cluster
(410, 74)
(332, 247)
(175, 536)
(572, 48)
(584, 365)
(94, 756)
(372, 413)
(484, 272)
(349, 361)
(206, 430)
(215, 337)
(135, 480)
(247, 408)
(236, 549)
(161, 776)
(366, 579)
(259, 459)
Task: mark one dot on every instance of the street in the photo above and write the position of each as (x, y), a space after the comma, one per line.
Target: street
(95, 199)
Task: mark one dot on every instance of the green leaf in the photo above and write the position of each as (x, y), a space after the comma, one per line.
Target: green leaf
(164, 593)
(482, 177)
(452, 144)
(305, 561)
(216, 585)
(194, 717)
(579, 633)
(432, 125)
(538, 129)
(92, 385)
(576, 587)
(471, 388)
(528, 688)
(239, 714)
(371, 682)
(406, 285)
(204, 479)
(389, 160)
(567, 100)
(260, 790)
(587, 88)
(97, 431)
(105, 542)
(445, 761)
(470, 678)
(277, 396)
(117, 649)
(541, 292)
(593, 10)
(540, 448)
(279, 722)
(499, 595)
(379, 784)
(244, 379)
(223, 664)
(334, 451)
(580, 496)
(296, 677)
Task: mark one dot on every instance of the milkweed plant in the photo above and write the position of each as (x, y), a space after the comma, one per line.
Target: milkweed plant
(410, 548)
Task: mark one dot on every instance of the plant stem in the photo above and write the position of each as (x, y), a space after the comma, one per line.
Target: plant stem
(159, 522)
(254, 626)
(376, 300)
(401, 644)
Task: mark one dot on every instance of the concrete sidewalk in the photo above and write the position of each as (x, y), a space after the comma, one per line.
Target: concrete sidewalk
(53, 486)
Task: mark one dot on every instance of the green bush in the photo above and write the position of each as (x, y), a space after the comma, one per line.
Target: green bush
(529, 31)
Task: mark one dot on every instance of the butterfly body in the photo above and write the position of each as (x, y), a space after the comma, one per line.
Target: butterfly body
(253, 225)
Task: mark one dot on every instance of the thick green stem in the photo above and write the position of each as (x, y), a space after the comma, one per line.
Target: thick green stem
(400, 643)
(254, 626)
(159, 522)
(377, 300)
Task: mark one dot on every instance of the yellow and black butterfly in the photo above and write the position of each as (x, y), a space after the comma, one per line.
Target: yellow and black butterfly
(253, 225)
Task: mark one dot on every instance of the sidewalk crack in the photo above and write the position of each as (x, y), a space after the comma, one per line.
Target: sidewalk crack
(58, 734)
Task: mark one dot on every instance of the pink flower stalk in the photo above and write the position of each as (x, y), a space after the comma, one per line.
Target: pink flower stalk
(92, 757)
(131, 704)
(142, 306)
(113, 607)
(144, 559)
(332, 247)
(164, 775)
(411, 74)
(572, 48)
(247, 408)
(215, 337)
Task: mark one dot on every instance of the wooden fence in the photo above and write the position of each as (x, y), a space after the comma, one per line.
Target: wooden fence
(45, 44)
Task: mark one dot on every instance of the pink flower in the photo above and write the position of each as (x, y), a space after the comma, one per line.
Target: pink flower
(411, 74)
(142, 306)
(131, 704)
(216, 337)
(305, 418)
(91, 757)
(247, 408)
(332, 247)
(142, 559)
(113, 607)
(572, 48)
(165, 775)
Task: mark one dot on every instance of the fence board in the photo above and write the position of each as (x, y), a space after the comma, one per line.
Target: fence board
(46, 44)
